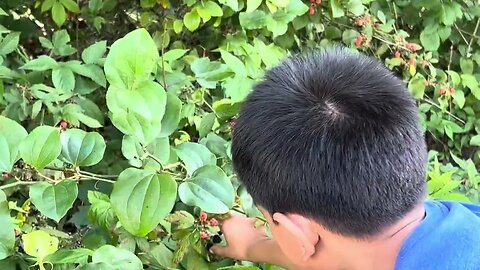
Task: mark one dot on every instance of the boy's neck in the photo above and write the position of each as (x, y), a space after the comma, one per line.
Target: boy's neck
(381, 252)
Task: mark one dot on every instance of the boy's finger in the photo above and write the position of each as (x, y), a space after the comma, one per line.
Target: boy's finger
(220, 250)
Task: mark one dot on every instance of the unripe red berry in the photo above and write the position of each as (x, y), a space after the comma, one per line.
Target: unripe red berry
(368, 19)
(318, 2)
(213, 222)
(203, 235)
(452, 90)
(398, 54)
(442, 91)
(63, 125)
(411, 61)
(233, 123)
(311, 10)
(360, 21)
(203, 217)
(358, 40)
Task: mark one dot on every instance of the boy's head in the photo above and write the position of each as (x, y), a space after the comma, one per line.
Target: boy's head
(335, 137)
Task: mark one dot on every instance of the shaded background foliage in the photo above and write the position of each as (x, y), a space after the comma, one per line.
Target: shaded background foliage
(116, 115)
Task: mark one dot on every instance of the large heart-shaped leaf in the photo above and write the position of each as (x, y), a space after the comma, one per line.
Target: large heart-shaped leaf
(138, 112)
(141, 199)
(208, 188)
(194, 156)
(7, 233)
(128, 63)
(54, 201)
(41, 147)
(11, 135)
(81, 148)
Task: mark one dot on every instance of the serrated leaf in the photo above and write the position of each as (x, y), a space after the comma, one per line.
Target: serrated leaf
(47, 4)
(100, 211)
(208, 188)
(475, 140)
(94, 52)
(58, 13)
(81, 148)
(252, 20)
(141, 199)
(42, 63)
(430, 39)
(417, 86)
(336, 9)
(11, 135)
(54, 201)
(194, 156)
(63, 78)
(41, 147)
(234, 63)
(206, 124)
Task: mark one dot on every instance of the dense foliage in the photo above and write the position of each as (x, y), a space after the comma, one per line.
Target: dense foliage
(116, 115)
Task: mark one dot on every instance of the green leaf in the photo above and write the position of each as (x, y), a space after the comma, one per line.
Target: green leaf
(171, 118)
(417, 86)
(7, 233)
(39, 244)
(206, 124)
(141, 199)
(81, 148)
(296, 8)
(94, 52)
(253, 5)
(208, 188)
(138, 112)
(225, 108)
(182, 219)
(252, 20)
(47, 44)
(356, 7)
(430, 39)
(42, 63)
(475, 140)
(11, 135)
(178, 26)
(466, 65)
(194, 156)
(238, 88)
(70, 5)
(77, 256)
(9, 43)
(100, 211)
(53, 201)
(471, 82)
(127, 64)
(63, 78)
(47, 4)
(459, 98)
(213, 8)
(41, 147)
(161, 255)
(454, 77)
(174, 54)
(58, 14)
(191, 20)
(116, 258)
(234, 63)
(233, 4)
(337, 10)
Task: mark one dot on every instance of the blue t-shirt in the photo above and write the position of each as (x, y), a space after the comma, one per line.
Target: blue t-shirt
(447, 239)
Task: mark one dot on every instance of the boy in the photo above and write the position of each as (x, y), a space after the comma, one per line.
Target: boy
(330, 147)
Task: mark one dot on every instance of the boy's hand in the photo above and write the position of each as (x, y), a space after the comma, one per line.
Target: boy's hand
(249, 243)
(242, 237)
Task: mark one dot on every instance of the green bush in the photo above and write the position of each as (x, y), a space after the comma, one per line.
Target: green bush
(116, 115)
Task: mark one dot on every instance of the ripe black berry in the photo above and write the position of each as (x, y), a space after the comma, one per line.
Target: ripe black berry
(216, 239)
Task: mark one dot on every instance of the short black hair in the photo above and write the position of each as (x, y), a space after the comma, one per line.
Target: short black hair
(335, 136)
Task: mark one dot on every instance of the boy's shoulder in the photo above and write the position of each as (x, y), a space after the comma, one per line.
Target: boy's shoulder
(447, 238)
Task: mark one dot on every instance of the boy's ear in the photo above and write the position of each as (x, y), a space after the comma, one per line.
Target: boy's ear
(297, 233)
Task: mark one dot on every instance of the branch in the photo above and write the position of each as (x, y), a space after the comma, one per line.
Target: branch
(473, 37)
(18, 183)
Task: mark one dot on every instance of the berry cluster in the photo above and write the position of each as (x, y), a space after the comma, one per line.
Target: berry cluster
(313, 6)
(207, 226)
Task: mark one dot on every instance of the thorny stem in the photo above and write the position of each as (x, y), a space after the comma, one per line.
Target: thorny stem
(18, 183)
(471, 40)
(449, 113)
